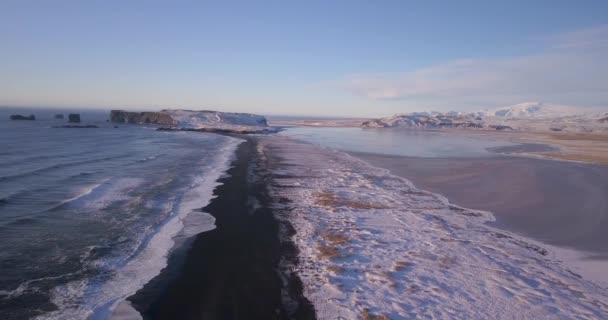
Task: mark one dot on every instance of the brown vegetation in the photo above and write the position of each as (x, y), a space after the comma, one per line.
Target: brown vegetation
(333, 239)
(331, 200)
(366, 315)
(402, 265)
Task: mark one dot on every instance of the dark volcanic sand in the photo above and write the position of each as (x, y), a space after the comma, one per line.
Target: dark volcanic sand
(560, 203)
(231, 272)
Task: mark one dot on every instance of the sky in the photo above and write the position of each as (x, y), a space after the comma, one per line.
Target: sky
(318, 58)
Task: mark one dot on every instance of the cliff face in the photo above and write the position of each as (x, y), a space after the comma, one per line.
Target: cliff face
(74, 118)
(142, 117)
(204, 120)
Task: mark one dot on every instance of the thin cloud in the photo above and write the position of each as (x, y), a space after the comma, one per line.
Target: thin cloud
(572, 69)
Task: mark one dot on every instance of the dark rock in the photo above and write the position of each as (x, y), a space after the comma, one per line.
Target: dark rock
(88, 126)
(219, 130)
(59, 116)
(142, 117)
(20, 117)
(603, 120)
(555, 129)
(74, 118)
(501, 127)
(373, 123)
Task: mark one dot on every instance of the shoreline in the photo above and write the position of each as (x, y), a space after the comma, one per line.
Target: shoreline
(584, 147)
(559, 204)
(473, 183)
(233, 271)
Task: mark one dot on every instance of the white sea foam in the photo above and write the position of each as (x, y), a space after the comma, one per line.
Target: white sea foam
(83, 299)
(370, 243)
(84, 191)
(108, 191)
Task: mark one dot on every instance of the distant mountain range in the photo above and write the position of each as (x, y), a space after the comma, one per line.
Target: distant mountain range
(535, 109)
(529, 116)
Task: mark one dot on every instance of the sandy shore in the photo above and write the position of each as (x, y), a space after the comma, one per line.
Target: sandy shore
(231, 272)
(571, 146)
(559, 203)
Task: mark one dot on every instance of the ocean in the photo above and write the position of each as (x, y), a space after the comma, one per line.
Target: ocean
(88, 216)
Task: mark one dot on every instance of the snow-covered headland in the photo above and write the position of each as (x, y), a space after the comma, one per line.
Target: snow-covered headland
(372, 245)
(205, 120)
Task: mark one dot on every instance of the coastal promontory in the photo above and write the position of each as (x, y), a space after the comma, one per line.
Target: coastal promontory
(192, 120)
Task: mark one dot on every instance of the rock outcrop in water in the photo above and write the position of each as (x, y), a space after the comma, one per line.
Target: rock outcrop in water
(59, 116)
(501, 127)
(142, 117)
(74, 118)
(20, 117)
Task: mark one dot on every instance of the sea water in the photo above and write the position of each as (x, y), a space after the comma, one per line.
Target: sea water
(88, 216)
(400, 142)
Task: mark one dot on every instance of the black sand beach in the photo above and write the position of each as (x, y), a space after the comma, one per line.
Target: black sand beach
(556, 202)
(231, 272)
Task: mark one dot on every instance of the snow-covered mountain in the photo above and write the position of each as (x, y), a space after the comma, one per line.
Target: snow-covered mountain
(528, 116)
(428, 120)
(534, 109)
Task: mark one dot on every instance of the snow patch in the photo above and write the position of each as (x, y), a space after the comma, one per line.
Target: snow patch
(189, 119)
(534, 109)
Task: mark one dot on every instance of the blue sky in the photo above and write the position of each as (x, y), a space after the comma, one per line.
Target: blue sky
(348, 58)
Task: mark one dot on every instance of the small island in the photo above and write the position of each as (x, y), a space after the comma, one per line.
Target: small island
(74, 118)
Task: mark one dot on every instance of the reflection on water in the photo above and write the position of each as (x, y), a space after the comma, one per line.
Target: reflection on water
(413, 143)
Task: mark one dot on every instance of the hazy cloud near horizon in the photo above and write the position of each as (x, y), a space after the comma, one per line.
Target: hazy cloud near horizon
(571, 69)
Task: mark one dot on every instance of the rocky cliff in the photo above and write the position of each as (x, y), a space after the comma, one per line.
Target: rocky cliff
(207, 121)
(142, 117)
(74, 117)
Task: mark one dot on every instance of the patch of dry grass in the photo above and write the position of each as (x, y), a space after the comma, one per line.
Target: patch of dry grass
(334, 237)
(366, 315)
(402, 265)
(327, 251)
(331, 200)
(592, 157)
(447, 262)
(335, 269)
(579, 136)
(332, 240)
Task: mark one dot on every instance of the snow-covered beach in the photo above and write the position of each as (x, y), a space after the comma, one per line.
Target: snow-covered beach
(372, 244)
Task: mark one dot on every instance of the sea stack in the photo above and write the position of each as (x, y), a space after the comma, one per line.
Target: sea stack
(142, 117)
(74, 118)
